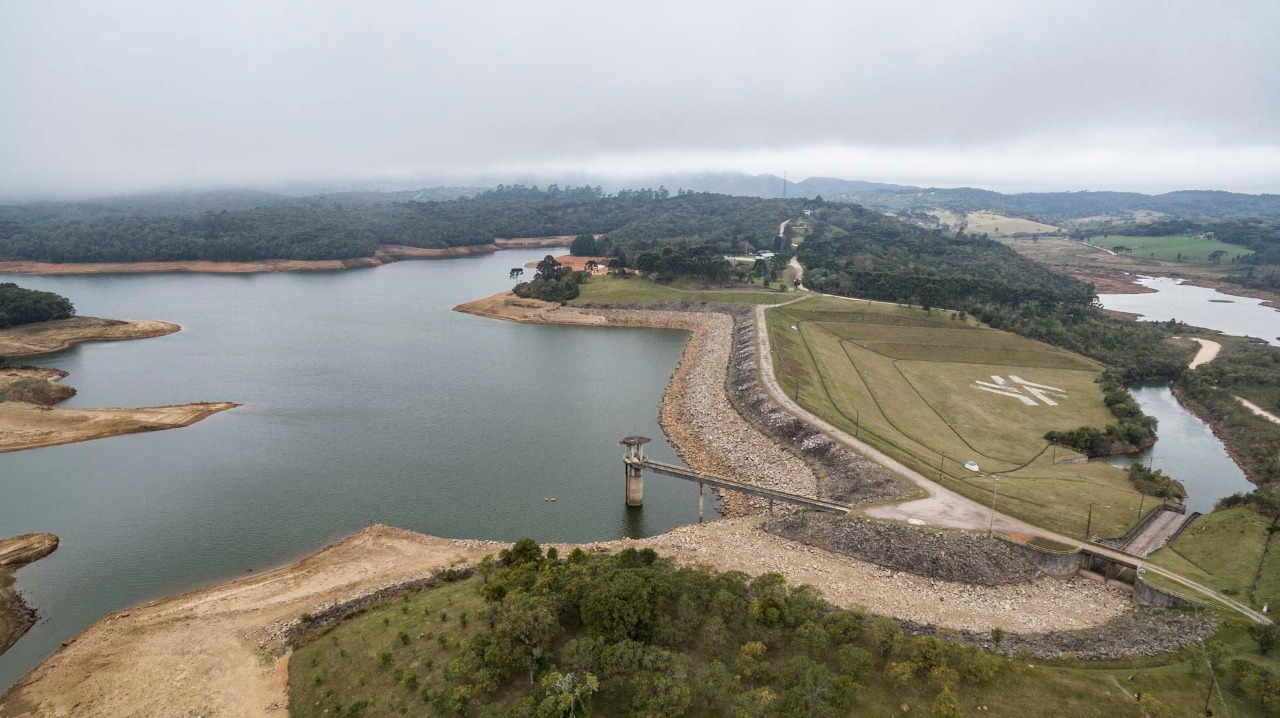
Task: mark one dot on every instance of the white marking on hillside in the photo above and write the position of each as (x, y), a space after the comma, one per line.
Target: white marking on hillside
(1043, 392)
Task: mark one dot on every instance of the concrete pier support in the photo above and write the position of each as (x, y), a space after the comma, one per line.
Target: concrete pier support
(700, 487)
(635, 485)
(633, 472)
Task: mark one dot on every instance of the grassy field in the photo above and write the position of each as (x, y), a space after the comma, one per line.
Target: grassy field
(383, 656)
(904, 380)
(1191, 249)
(637, 290)
(377, 665)
(993, 224)
(1221, 550)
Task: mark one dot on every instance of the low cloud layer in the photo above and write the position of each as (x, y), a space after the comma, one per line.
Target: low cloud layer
(114, 97)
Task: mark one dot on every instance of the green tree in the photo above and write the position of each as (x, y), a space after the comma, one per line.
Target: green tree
(811, 690)
(619, 605)
(584, 245)
(946, 705)
(523, 634)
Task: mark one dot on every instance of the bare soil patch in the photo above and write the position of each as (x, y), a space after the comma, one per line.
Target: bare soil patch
(577, 264)
(34, 385)
(1110, 281)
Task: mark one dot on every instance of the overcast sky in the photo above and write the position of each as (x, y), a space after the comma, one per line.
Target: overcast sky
(107, 97)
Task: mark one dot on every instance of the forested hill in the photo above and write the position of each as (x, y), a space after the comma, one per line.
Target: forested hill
(26, 306)
(857, 251)
(331, 229)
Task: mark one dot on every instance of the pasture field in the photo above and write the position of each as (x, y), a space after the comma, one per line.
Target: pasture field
(906, 381)
(991, 223)
(1221, 550)
(630, 289)
(1192, 249)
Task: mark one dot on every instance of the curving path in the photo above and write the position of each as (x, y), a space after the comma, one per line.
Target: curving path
(943, 507)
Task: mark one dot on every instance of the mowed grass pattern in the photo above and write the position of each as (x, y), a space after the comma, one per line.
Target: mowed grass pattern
(902, 379)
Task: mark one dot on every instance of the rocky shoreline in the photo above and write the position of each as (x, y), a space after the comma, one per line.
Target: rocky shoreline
(943, 554)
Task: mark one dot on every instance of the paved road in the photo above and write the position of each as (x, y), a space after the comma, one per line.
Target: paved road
(943, 507)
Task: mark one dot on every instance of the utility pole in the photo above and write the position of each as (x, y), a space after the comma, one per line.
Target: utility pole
(1141, 499)
(1089, 526)
(1212, 680)
(995, 485)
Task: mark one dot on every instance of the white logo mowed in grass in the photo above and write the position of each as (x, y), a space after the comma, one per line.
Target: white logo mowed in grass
(1033, 391)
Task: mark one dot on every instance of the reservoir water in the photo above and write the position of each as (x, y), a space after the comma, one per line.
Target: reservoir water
(1199, 307)
(365, 400)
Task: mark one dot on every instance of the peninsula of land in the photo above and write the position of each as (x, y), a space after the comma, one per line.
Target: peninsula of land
(28, 394)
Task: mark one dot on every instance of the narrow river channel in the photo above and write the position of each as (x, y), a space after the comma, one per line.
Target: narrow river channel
(1187, 449)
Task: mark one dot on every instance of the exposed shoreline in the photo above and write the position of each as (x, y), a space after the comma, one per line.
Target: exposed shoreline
(48, 337)
(385, 254)
(27, 417)
(16, 617)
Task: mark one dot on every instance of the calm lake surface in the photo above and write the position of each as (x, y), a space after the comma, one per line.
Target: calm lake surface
(365, 400)
(1187, 450)
(1199, 307)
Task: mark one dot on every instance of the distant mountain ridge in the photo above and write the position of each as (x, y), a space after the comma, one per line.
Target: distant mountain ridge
(1040, 205)
(1046, 206)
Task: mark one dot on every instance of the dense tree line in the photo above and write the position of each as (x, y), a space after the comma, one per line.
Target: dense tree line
(26, 306)
(633, 634)
(323, 228)
(856, 251)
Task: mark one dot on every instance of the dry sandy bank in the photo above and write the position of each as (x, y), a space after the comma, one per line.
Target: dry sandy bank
(385, 254)
(221, 651)
(46, 337)
(27, 393)
(1109, 281)
(30, 426)
(16, 618)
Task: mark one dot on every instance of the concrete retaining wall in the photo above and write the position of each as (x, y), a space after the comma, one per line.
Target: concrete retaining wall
(1144, 594)
(1054, 563)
